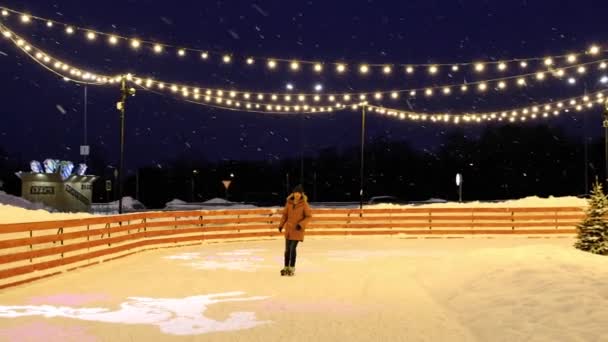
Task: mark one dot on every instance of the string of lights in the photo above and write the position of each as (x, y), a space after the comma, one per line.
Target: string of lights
(520, 114)
(298, 65)
(500, 84)
(82, 76)
(217, 100)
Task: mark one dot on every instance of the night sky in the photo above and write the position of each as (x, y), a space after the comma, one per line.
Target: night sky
(42, 116)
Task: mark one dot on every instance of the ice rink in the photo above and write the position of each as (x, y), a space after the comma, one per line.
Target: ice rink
(357, 289)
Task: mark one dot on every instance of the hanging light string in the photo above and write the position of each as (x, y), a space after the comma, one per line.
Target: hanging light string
(520, 114)
(296, 65)
(82, 76)
(499, 84)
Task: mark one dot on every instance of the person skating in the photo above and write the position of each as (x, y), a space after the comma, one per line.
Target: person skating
(295, 219)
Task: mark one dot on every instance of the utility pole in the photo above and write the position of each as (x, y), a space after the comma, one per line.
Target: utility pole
(121, 106)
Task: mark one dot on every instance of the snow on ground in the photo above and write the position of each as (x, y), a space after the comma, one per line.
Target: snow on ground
(531, 201)
(345, 289)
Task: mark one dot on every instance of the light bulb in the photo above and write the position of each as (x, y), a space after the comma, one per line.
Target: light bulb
(158, 48)
(364, 69)
(226, 59)
(540, 76)
(455, 68)
(502, 66)
(548, 61)
(447, 90)
(502, 85)
(409, 70)
(479, 67)
(295, 66)
(603, 65)
(272, 64)
(523, 64)
(4, 13)
(428, 92)
(395, 95)
(249, 60)
(482, 86)
(433, 69)
(113, 40)
(581, 70)
(69, 30)
(318, 67)
(135, 44)
(387, 69)
(464, 88)
(91, 35)
(25, 18)
(340, 68)
(204, 55)
(594, 50)
(571, 58)
(181, 52)
(521, 81)
(346, 97)
(49, 24)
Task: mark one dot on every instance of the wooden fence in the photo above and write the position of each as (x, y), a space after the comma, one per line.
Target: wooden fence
(30, 251)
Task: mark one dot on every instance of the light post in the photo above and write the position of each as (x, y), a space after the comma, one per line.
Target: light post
(194, 173)
(459, 180)
(362, 166)
(121, 106)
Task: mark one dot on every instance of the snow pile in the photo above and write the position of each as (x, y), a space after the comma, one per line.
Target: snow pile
(19, 202)
(12, 214)
(531, 201)
(212, 204)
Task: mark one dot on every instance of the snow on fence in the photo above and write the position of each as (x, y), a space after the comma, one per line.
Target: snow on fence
(30, 251)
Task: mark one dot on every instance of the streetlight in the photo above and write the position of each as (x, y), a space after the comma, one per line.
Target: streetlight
(194, 173)
(121, 106)
(362, 158)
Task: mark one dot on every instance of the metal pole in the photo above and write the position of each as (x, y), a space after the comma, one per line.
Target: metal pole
(121, 108)
(85, 120)
(302, 150)
(605, 124)
(362, 159)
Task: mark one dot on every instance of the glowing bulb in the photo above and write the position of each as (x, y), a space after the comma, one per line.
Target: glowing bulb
(318, 87)
(482, 86)
(502, 67)
(523, 64)
(560, 73)
(7, 34)
(412, 93)
(113, 40)
(603, 65)
(332, 98)
(181, 52)
(20, 42)
(301, 98)
(69, 30)
(318, 67)
(25, 18)
(395, 95)
(521, 81)
(581, 70)
(364, 69)
(446, 90)
(232, 94)
(571, 58)
(387, 69)
(433, 69)
(246, 95)
(204, 55)
(540, 76)
(91, 35)
(341, 68)
(464, 88)
(346, 97)
(594, 50)
(502, 85)
(428, 92)
(249, 60)
(4, 13)
(295, 66)
(135, 43)
(409, 70)
(455, 68)
(226, 59)
(158, 48)
(479, 67)
(49, 24)
(362, 97)
(548, 61)
(317, 98)
(272, 64)
(260, 96)
(46, 59)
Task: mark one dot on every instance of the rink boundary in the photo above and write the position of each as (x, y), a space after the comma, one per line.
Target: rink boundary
(37, 250)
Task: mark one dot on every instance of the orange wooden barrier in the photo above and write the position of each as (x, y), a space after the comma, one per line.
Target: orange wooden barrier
(30, 251)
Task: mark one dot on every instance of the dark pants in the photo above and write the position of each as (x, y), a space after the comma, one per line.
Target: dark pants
(290, 252)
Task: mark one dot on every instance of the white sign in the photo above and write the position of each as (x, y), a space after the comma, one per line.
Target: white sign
(84, 150)
(227, 183)
(458, 179)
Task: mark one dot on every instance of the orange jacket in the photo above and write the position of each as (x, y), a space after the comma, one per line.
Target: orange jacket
(295, 214)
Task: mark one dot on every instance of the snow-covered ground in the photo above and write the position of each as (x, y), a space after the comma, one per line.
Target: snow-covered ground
(345, 289)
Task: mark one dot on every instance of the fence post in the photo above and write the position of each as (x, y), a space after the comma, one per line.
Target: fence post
(31, 246)
(512, 219)
(430, 220)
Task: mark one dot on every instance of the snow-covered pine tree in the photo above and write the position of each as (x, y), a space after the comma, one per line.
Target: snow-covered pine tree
(593, 231)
